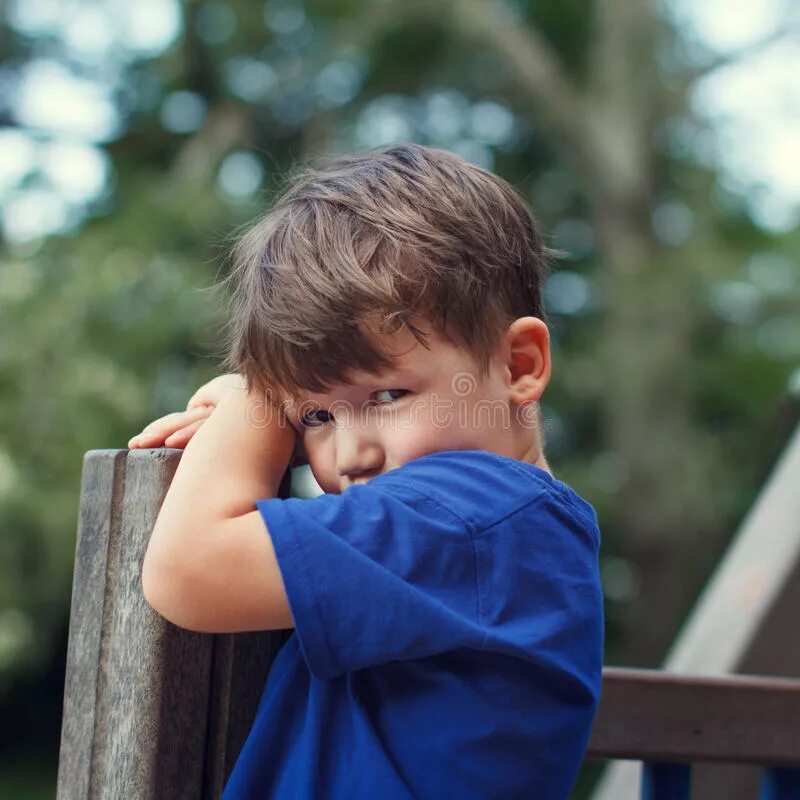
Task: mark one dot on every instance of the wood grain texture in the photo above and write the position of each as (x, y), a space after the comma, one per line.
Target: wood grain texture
(102, 487)
(240, 669)
(151, 711)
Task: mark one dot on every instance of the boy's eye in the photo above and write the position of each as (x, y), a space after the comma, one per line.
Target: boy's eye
(318, 417)
(387, 395)
(315, 418)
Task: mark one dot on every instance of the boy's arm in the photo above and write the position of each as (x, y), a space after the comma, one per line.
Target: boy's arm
(210, 565)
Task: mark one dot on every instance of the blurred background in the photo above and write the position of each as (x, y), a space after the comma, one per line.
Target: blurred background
(657, 142)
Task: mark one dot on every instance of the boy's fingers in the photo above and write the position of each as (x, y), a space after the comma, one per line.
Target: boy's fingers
(177, 420)
(181, 438)
(157, 431)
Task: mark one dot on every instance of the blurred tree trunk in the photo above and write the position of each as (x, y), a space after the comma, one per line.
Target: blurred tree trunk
(605, 130)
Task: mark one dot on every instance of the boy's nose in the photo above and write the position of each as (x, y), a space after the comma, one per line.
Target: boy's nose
(357, 455)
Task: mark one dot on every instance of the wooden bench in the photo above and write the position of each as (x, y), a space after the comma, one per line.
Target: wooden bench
(155, 712)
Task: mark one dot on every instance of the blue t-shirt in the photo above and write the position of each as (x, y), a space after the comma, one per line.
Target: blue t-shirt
(448, 638)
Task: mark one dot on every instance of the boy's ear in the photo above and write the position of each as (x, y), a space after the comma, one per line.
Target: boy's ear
(527, 342)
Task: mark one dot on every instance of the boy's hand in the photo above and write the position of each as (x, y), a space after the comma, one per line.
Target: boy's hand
(175, 430)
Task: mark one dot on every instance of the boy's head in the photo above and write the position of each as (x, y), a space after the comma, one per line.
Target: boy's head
(402, 258)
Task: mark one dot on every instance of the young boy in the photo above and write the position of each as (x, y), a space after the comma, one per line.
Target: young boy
(387, 326)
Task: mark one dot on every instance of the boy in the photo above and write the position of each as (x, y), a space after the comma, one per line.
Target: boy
(387, 326)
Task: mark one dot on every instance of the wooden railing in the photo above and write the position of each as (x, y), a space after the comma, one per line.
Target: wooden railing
(743, 623)
(153, 712)
(671, 721)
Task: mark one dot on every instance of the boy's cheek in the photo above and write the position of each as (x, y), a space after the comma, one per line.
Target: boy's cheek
(452, 429)
(406, 444)
(321, 459)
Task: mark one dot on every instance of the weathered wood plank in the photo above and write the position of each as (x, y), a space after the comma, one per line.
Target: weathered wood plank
(150, 711)
(241, 666)
(136, 692)
(157, 676)
(655, 716)
(101, 500)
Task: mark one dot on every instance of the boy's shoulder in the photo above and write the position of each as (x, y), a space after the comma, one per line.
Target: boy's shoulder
(482, 488)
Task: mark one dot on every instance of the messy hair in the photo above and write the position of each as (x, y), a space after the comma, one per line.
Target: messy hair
(405, 232)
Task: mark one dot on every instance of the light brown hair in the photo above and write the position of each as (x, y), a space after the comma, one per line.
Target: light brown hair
(406, 231)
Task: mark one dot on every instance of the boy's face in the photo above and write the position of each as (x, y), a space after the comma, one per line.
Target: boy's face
(431, 400)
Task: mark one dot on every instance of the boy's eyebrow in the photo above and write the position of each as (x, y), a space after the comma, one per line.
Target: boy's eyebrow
(396, 373)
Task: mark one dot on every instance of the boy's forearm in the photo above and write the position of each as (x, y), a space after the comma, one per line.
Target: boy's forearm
(238, 456)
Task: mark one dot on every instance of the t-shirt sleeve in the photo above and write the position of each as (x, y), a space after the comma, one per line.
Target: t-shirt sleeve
(378, 573)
